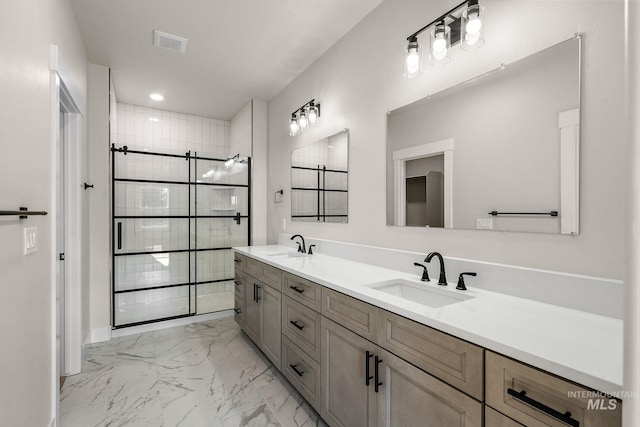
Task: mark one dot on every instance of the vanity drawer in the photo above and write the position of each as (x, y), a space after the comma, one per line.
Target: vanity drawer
(302, 290)
(353, 314)
(302, 371)
(506, 379)
(302, 326)
(263, 272)
(450, 359)
(239, 284)
(493, 418)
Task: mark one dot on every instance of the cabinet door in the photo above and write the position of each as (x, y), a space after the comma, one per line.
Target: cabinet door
(411, 397)
(346, 399)
(252, 310)
(271, 323)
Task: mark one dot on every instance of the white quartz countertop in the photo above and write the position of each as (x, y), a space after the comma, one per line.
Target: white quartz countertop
(582, 347)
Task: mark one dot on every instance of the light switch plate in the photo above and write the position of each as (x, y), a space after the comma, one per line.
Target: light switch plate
(30, 240)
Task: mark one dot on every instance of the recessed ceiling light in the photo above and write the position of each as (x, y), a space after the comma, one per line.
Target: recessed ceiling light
(156, 97)
(154, 119)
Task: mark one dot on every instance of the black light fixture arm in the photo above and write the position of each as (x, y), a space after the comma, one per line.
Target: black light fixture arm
(440, 18)
(306, 105)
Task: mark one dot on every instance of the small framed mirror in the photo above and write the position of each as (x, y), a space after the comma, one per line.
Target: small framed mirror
(320, 180)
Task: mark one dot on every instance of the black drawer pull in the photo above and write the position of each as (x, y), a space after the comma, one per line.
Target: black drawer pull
(368, 377)
(297, 289)
(295, 368)
(257, 292)
(237, 282)
(295, 323)
(565, 418)
(237, 310)
(237, 260)
(119, 235)
(377, 383)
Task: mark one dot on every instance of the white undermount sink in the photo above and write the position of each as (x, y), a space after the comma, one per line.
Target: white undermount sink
(419, 293)
(286, 254)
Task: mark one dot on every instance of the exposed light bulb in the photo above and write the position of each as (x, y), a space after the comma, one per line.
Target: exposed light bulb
(474, 24)
(302, 119)
(156, 97)
(412, 59)
(294, 129)
(312, 114)
(440, 44)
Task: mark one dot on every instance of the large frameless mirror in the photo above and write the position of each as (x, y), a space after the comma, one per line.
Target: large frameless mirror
(319, 180)
(498, 152)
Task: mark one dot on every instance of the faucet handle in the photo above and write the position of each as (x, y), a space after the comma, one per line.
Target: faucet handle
(425, 273)
(310, 252)
(461, 285)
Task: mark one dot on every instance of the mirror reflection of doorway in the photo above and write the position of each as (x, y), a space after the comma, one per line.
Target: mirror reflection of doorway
(424, 183)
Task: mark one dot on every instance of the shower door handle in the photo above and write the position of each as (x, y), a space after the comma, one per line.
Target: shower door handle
(119, 235)
(237, 218)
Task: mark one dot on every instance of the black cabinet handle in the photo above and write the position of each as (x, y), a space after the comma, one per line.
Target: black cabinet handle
(565, 418)
(367, 375)
(237, 282)
(295, 369)
(255, 298)
(119, 235)
(297, 289)
(295, 323)
(258, 292)
(237, 310)
(237, 260)
(377, 383)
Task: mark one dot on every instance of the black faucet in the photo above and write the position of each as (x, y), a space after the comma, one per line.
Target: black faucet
(442, 280)
(303, 248)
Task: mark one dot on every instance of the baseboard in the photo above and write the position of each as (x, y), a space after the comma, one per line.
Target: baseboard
(170, 323)
(100, 334)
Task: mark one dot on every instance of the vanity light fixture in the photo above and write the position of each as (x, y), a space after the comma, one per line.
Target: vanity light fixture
(304, 118)
(463, 24)
(231, 160)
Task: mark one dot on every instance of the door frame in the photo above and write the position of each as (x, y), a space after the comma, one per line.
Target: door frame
(400, 158)
(65, 96)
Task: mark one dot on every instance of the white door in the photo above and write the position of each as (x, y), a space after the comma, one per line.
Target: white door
(60, 242)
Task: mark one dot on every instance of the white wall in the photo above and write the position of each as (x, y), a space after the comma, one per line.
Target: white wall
(27, 30)
(98, 88)
(360, 78)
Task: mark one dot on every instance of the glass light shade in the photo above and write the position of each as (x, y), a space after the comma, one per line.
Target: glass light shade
(302, 120)
(412, 68)
(294, 128)
(439, 42)
(472, 27)
(312, 114)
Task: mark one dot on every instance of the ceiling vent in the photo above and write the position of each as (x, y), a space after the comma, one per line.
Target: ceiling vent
(169, 41)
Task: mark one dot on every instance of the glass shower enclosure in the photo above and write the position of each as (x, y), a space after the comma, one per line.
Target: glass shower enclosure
(175, 218)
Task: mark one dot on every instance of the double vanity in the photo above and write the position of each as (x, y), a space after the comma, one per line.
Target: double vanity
(367, 345)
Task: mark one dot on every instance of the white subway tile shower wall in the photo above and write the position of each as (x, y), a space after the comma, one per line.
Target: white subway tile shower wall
(172, 132)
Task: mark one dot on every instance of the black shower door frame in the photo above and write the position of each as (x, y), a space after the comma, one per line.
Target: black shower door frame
(116, 237)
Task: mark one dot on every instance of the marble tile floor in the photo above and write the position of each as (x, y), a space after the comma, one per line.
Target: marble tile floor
(203, 374)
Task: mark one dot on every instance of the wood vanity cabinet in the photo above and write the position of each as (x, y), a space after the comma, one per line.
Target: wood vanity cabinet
(347, 365)
(262, 321)
(360, 365)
